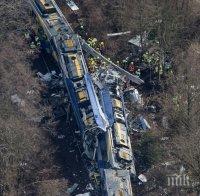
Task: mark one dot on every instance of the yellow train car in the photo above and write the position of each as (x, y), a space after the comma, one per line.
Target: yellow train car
(121, 134)
(117, 103)
(45, 6)
(74, 67)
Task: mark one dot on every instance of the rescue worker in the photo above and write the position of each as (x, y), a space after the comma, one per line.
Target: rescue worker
(146, 57)
(98, 50)
(138, 73)
(89, 41)
(37, 38)
(127, 59)
(160, 70)
(124, 63)
(32, 45)
(103, 64)
(27, 36)
(102, 47)
(155, 58)
(175, 100)
(156, 69)
(98, 62)
(82, 30)
(37, 41)
(92, 64)
(170, 72)
(94, 42)
(167, 66)
(131, 67)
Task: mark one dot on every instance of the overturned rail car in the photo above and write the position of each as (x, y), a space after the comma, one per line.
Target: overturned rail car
(99, 109)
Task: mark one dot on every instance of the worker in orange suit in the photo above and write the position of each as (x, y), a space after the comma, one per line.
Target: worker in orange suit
(131, 67)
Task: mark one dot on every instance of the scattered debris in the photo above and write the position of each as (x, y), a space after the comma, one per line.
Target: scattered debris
(72, 188)
(72, 5)
(61, 136)
(30, 92)
(46, 77)
(169, 163)
(139, 124)
(53, 73)
(145, 125)
(151, 109)
(138, 40)
(36, 119)
(84, 194)
(182, 169)
(16, 100)
(132, 95)
(164, 138)
(165, 123)
(22, 164)
(89, 187)
(118, 34)
(142, 178)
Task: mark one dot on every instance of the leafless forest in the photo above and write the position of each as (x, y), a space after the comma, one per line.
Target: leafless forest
(27, 164)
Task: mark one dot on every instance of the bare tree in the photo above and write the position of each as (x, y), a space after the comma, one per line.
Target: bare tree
(183, 108)
(14, 16)
(26, 153)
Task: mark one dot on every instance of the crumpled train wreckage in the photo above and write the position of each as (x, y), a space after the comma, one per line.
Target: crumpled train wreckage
(98, 99)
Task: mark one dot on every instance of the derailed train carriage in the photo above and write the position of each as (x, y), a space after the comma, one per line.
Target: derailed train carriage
(99, 110)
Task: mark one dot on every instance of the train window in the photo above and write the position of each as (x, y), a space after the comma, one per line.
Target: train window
(125, 155)
(73, 58)
(82, 95)
(79, 85)
(69, 43)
